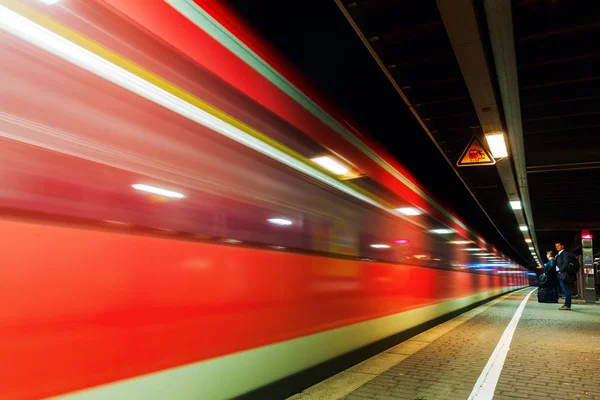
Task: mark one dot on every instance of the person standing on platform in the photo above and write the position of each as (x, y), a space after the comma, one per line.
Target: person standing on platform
(564, 278)
(552, 276)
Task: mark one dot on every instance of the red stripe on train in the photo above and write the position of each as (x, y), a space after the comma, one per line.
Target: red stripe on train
(83, 307)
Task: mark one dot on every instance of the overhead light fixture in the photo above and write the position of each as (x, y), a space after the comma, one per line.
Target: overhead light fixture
(523, 228)
(331, 165)
(497, 145)
(587, 236)
(49, 2)
(380, 246)
(401, 241)
(527, 240)
(531, 248)
(460, 241)
(474, 249)
(158, 191)
(516, 205)
(442, 231)
(280, 221)
(410, 211)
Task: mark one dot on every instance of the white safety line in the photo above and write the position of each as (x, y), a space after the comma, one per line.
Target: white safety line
(486, 384)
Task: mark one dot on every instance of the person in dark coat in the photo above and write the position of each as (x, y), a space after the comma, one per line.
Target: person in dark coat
(552, 275)
(564, 278)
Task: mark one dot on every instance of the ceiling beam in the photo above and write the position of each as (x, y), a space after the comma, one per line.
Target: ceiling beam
(460, 20)
(536, 169)
(498, 15)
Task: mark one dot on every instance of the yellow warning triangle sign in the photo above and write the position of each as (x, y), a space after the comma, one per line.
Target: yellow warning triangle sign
(475, 154)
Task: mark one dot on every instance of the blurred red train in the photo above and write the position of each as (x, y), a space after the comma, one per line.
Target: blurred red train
(164, 233)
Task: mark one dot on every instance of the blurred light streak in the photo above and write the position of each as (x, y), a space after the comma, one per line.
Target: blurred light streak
(380, 246)
(158, 191)
(280, 221)
(410, 211)
(331, 165)
(442, 231)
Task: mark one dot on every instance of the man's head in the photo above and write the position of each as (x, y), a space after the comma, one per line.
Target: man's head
(549, 254)
(559, 246)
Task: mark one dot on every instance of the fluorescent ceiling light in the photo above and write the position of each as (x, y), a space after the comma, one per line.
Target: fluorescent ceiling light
(523, 228)
(49, 2)
(411, 211)
(401, 241)
(460, 241)
(531, 248)
(515, 205)
(442, 231)
(527, 240)
(474, 249)
(331, 165)
(280, 221)
(380, 246)
(158, 191)
(497, 145)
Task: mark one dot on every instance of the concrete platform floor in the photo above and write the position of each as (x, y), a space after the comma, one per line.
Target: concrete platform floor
(550, 354)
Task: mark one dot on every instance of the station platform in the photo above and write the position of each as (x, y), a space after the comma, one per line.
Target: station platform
(509, 348)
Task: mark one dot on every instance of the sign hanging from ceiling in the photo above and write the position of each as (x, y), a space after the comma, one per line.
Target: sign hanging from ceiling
(475, 154)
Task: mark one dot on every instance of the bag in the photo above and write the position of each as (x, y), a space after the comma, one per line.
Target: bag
(543, 295)
(573, 267)
(543, 280)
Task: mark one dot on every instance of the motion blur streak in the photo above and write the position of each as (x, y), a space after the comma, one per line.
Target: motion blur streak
(197, 45)
(125, 305)
(239, 252)
(25, 29)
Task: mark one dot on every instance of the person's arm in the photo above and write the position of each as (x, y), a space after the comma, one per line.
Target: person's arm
(564, 262)
(547, 267)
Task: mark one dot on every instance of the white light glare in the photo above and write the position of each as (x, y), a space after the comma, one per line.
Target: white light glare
(380, 246)
(527, 240)
(523, 228)
(49, 2)
(442, 231)
(474, 249)
(280, 221)
(497, 145)
(411, 211)
(331, 165)
(515, 205)
(460, 241)
(531, 248)
(158, 191)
